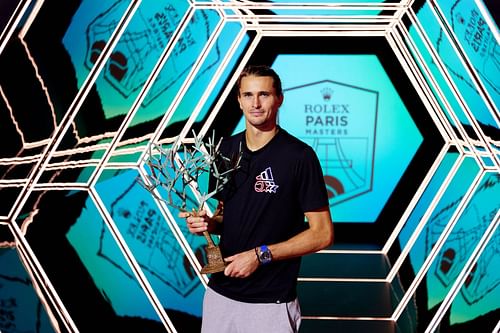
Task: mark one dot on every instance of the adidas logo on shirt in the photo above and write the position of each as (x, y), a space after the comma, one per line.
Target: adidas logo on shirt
(265, 182)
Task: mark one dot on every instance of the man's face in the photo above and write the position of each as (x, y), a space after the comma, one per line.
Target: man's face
(259, 102)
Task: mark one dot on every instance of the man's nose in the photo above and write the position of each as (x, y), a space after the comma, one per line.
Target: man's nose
(256, 102)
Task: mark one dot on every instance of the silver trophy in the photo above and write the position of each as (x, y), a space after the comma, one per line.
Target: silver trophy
(180, 168)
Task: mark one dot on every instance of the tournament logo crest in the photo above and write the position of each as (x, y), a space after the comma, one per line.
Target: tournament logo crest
(338, 121)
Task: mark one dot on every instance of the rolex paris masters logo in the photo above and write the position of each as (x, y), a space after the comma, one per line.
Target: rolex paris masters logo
(265, 182)
(338, 121)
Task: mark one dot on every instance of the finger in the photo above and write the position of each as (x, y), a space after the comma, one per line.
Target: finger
(227, 271)
(196, 227)
(184, 214)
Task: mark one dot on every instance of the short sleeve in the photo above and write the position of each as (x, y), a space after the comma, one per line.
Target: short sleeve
(311, 184)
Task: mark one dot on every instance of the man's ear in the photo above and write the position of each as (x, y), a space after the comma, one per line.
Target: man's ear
(281, 98)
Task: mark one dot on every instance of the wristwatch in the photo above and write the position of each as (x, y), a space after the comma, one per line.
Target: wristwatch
(264, 255)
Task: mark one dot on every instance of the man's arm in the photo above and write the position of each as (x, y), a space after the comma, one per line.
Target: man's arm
(318, 236)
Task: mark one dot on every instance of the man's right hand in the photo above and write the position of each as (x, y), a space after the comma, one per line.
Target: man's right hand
(197, 222)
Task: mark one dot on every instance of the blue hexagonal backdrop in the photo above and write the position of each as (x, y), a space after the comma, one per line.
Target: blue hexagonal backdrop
(400, 100)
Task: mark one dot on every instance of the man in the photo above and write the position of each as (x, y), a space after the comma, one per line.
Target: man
(262, 229)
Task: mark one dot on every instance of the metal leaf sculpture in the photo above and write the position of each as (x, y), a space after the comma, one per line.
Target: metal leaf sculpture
(175, 174)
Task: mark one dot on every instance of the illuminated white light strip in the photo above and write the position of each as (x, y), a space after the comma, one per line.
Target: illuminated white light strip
(497, 327)
(19, 160)
(467, 64)
(487, 17)
(459, 281)
(309, 17)
(435, 112)
(81, 150)
(347, 318)
(139, 141)
(436, 86)
(73, 109)
(72, 164)
(396, 40)
(397, 18)
(228, 90)
(407, 213)
(15, 161)
(354, 251)
(321, 31)
(13, 22)
(225, 61)
(440, 241)
(13, 182)
(306, 6)
(31, 17)
(53, 186)
(476, 80)
(42, 85)
(25, 259)
(40, 281)
(121, 165)
(306, 19)
(327, 279)
(56, 185)
(26, 145)
(133, 264)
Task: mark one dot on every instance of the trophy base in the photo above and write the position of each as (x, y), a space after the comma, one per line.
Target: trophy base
(215, 261)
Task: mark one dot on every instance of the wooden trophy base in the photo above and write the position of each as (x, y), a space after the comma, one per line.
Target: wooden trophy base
(215, 261)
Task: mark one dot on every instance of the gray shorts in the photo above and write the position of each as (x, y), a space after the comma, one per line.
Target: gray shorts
(224, 315)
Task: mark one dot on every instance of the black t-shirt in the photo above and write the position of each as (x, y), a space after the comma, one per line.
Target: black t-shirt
(264, 203)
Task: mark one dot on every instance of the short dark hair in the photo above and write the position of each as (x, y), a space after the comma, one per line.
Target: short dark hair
(261, 70)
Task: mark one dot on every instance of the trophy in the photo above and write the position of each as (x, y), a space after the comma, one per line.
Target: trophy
(180, 168)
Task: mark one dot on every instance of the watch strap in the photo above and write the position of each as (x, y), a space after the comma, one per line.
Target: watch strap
(264, 254)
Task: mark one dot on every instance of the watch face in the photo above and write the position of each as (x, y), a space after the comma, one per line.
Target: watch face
(265, 255)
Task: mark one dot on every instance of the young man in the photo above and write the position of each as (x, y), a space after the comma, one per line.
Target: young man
(263, 233)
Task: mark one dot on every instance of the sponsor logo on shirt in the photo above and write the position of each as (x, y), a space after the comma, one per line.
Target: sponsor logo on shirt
(265, 182)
